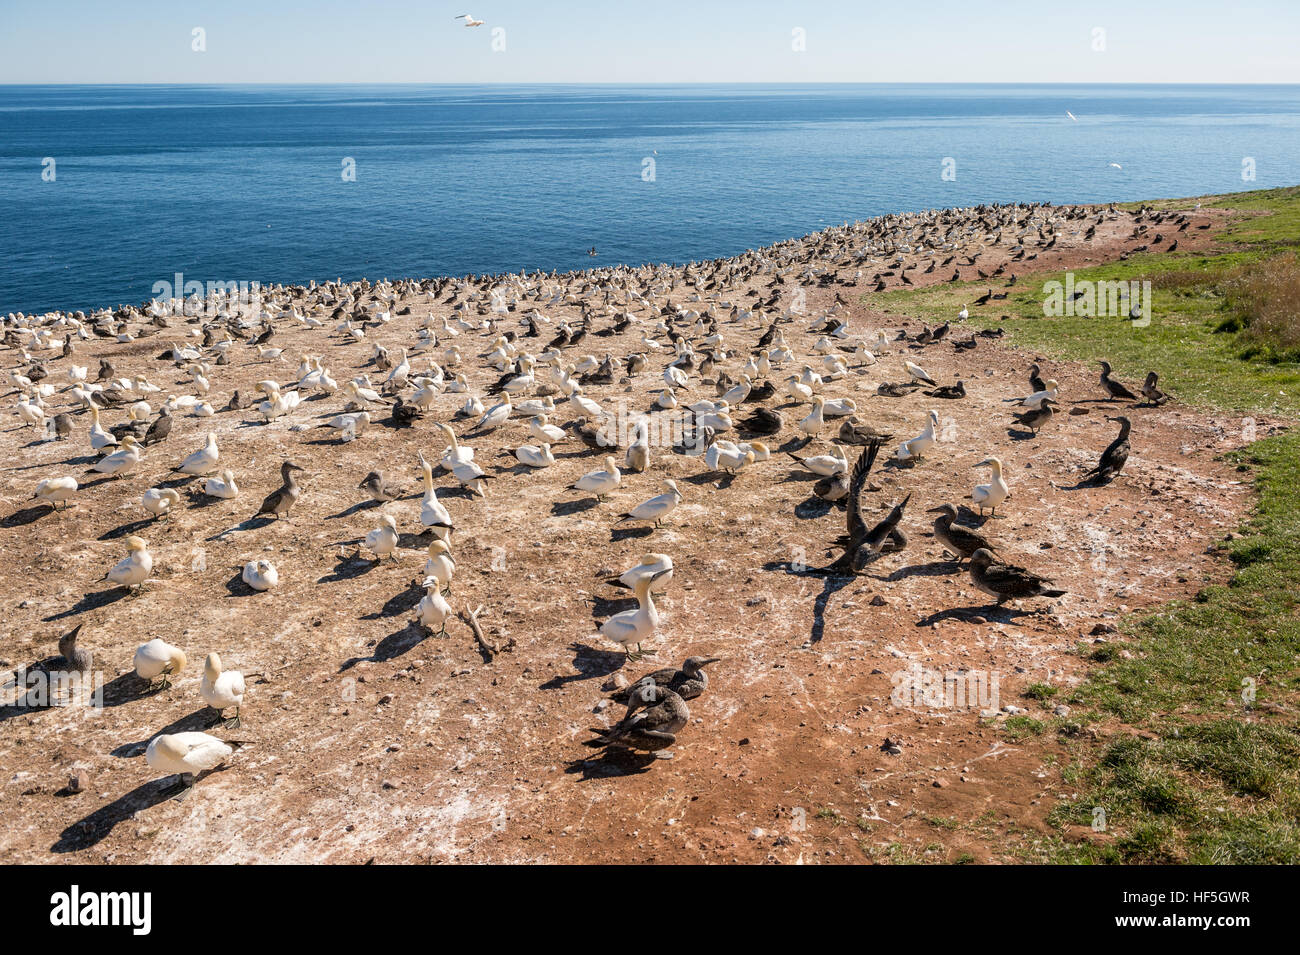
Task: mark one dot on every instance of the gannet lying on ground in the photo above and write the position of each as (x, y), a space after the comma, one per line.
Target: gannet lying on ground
(261, 575)
(382, 541)
(824, 464)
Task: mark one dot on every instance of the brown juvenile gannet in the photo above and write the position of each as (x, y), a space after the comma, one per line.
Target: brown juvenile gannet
(688, 682)
(656, 715)
(1007, 581)
(1116, 453)
(960, 540)
(77, 658)
(1115, 389)
(279, 502)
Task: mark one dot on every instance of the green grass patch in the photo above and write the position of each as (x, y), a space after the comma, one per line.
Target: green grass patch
(1192, 748)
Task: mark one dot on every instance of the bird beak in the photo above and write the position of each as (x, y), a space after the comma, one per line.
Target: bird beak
(658, 575)
(986, 461)
(709, 660)
(936, 510)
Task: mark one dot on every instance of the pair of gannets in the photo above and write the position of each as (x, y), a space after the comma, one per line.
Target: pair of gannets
(688, 682)
(656, 508)
(600, 482)
(634, 627)
(261, 575)
(133, 569)
(730, 457)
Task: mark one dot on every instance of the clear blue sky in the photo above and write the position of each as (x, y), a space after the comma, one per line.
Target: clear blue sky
(645, 41)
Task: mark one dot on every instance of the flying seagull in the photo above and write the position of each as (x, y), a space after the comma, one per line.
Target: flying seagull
(469, 20)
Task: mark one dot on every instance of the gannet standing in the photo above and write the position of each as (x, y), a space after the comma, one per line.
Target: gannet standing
(382, 541)
(914, 449)
(634, 627)
(600, 482)
(995, 492)
(186, 754)
(656, 508)
(132, 570)
(222, 689)
(158, 658)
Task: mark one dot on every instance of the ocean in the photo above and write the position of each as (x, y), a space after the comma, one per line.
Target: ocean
(251, 183)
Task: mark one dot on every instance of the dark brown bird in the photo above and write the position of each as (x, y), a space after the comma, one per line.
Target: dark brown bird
(1117, 391)
(1007, 581)
(1113, 458)
(279, 502)
(960, 540)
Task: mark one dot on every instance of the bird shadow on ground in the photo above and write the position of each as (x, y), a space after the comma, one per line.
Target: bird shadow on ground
(392, 646)
(1015, 434)
(812, 508)
(608, 606)
(938, 568)
(94, 828)
(565, 508)
(590, 663)
(990, 614)
(251, 524)
(28, 515)
(197, 721)
(127, 529)
(128, 688)
(629, 533)
(348, 568)
(355, 508)
(399, 603)
(1081, 485)
(236, 586)
(614, 761)
(90, 602)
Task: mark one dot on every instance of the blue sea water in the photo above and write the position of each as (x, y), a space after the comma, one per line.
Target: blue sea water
(244, 183)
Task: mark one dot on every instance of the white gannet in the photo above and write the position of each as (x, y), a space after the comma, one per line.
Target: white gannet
(222, 689)
(995, 492)
(99, 438)
(815, 421)
(382, 541)
(455, 453)
(634, 627)
(433, 514)
(534, 456)
(158, 658)
(202, 461)
(433, 609)
(223, 486)
(656, 508)
(160, 500)
(917, 373)
(52, 491)
(441, 564)
(545, 432)
(1035, 401)
(839, 408)
(650, 566)
(825, 465)
(469, 22)
(186, 754)
(726, 456)
(133, 569)
(600, 482)
(914, 449)
(261, 575)
(495, 416)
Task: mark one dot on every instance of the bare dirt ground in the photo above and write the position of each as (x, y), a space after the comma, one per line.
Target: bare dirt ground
(371, 742)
